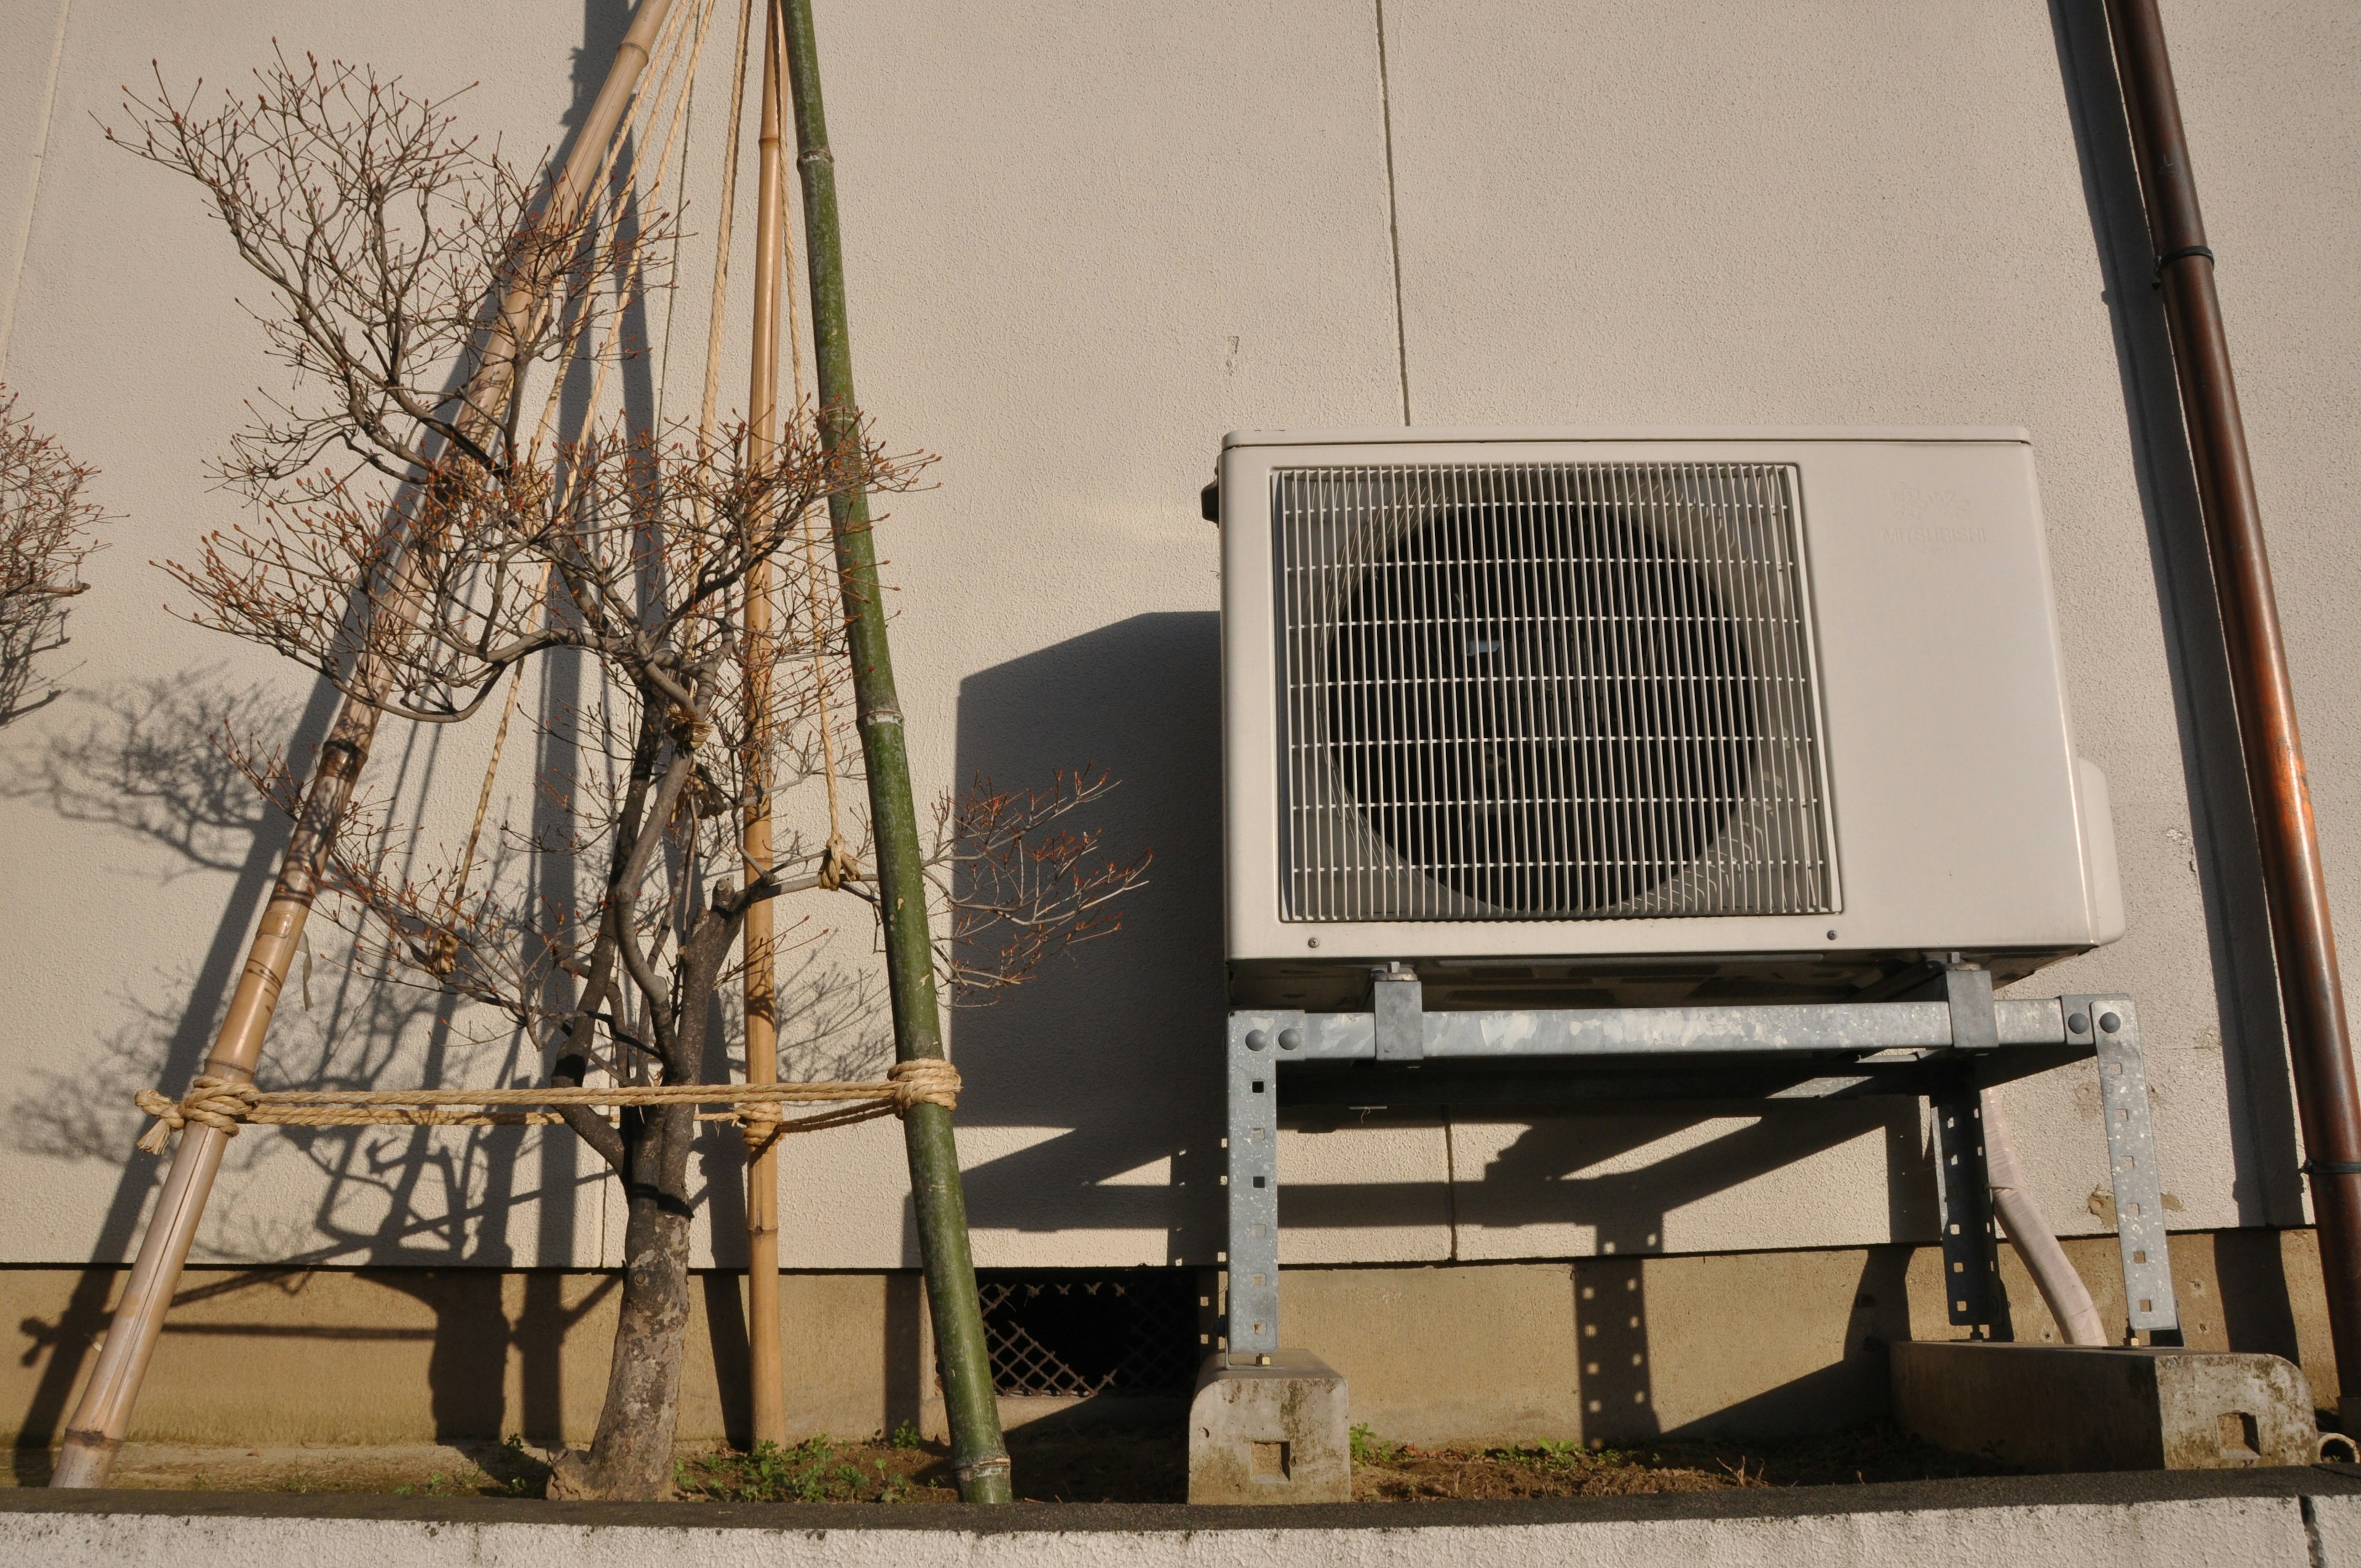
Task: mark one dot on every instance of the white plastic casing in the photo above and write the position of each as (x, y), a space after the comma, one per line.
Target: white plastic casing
(1963, 818)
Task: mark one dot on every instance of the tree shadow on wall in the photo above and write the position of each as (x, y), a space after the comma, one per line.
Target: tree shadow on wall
(1118, 1050)
(407, 1203)
(140, 768)
(148, 764)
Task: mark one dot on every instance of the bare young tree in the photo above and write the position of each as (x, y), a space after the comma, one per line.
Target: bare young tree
(46, 530)
(447, 549)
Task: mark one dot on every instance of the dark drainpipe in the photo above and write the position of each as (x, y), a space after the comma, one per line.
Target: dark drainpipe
(2302, 939)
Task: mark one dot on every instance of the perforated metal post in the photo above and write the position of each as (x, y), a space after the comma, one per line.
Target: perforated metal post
(2112, 1025)
(1971, 1254)
(1256, 1043)
(1971, 1294)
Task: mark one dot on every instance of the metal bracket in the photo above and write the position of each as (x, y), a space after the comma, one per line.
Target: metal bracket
(2111, 1024)
(1975, 1025)
(1398, 1001)
(1971, 1294)
(1253, 1257)
(1945, 1048)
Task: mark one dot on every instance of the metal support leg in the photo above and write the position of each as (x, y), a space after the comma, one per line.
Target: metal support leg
(1254, 1185)
(2111, 1024)
(1972, 1293)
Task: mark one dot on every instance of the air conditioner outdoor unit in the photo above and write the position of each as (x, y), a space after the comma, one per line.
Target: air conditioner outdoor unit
(1584, 717)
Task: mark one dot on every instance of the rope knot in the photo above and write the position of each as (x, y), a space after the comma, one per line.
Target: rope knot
(924, 1080)
(212, 1101)
(838, 864)
(759, 1125)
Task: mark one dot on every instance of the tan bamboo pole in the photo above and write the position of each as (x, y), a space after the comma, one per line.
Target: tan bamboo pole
(95, 1434)
(763, 1364)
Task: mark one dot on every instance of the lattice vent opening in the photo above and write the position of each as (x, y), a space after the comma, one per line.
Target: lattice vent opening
(1547, 691)
(1062, 1332)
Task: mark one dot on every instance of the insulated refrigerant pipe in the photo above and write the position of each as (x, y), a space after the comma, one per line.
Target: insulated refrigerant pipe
(2303, 941)
(2053, 1273)
(101, 1417)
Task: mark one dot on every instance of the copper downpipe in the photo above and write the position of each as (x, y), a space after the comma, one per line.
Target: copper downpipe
(2303, 940)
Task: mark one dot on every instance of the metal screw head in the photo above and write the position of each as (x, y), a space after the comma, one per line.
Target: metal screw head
(2079, 1024)
(1832, 935)
(1257, 1040)
(1311, 942)
(1290, 1039)
(2110, 1022)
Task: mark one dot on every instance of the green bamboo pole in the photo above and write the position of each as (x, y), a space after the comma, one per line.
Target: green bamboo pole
(978, 1455)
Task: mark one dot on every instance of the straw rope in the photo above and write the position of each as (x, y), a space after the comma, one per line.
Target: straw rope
(224, 1104)
(669, 48)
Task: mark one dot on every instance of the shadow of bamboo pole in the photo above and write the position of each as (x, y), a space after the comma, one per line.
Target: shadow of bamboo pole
(979, 1457)
(94, 1434)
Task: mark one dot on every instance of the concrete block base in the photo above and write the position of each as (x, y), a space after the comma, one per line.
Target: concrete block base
(2068, 1408)
(1269, 1433)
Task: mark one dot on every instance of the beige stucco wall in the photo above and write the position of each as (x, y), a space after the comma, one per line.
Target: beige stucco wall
(1602, 1350)
(1083, 241)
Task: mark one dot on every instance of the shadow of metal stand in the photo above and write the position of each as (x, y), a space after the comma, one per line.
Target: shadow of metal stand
(1946, 1046)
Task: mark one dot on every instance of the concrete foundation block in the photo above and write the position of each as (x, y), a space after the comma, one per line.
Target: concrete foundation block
(1274, 1433)
(2068, 1408)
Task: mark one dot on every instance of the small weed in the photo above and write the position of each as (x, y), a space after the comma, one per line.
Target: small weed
(517, 1461)
(905, 1436)
(1545, 1453)
(814, 1471)
(1368, 1448)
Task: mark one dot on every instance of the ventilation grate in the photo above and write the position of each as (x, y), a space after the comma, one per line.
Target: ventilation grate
(1547, 691)
(1129, 1332)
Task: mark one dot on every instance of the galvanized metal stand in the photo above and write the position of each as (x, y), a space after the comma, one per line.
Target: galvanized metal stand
(1947, 1049)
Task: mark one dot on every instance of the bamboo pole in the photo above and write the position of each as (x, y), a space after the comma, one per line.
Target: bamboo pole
(102, 1416)
(979, 1457)
(762, 1016)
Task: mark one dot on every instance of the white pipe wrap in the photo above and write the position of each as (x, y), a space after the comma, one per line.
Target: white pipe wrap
(2069, 1299)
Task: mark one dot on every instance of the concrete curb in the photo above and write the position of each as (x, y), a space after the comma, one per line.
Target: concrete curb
(2307, 1518)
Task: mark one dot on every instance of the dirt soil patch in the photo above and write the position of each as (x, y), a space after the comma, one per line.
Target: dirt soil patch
(1400, 1472)
(1065, 1466)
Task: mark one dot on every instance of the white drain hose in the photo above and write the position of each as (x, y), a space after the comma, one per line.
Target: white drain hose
(2061, 1287)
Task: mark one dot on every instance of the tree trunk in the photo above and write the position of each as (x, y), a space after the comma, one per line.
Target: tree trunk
(632, 1455)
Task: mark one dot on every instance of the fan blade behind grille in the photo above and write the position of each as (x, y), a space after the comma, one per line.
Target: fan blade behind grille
(1547, 691)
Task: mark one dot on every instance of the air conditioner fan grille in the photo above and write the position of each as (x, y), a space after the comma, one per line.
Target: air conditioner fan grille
(1547, 691)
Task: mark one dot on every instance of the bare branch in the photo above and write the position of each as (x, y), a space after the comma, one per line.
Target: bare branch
(1020, 887)
(45, 535)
